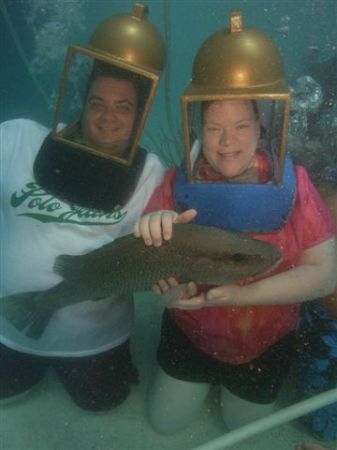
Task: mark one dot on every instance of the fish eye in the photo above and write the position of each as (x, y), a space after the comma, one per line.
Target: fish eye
(239, 257)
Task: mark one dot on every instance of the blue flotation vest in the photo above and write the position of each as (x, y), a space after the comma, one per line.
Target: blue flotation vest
(238, 207)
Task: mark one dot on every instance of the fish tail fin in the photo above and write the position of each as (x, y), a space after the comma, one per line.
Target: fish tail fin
(24, 311)
(39, 324)
(19, 309)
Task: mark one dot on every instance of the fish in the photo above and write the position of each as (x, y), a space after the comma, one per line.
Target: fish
(198, 253)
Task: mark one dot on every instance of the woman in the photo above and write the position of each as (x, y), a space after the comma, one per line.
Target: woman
(239, 336)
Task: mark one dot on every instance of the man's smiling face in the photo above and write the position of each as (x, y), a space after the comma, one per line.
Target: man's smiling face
(109, 115)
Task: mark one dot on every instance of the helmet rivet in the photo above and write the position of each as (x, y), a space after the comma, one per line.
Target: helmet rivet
(140, 11)
(236, 21)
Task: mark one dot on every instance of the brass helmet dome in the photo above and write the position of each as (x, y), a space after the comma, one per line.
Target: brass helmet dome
(131, 39)
(239, 60)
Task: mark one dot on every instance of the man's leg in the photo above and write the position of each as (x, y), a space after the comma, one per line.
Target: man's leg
(19, 373)
(99, 382)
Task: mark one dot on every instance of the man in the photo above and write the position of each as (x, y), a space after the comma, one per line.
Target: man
(57, 199)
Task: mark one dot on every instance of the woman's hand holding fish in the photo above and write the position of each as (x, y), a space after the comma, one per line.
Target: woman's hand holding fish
(175, 294)
(226, 295)
(185, 295)
(156, 226)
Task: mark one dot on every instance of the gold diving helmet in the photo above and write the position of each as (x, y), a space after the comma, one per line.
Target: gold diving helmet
(243, 64)
(125, 46)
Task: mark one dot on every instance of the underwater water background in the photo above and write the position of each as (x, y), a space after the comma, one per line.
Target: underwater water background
(34, 36)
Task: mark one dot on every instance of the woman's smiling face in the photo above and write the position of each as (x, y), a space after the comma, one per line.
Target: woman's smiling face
(231, 132)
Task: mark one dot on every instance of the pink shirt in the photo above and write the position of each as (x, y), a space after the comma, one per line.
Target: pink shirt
(238, 335)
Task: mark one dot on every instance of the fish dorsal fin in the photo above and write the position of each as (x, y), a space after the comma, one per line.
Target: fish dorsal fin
(65, 264)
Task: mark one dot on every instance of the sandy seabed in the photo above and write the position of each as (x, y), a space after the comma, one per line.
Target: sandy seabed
(47, 419)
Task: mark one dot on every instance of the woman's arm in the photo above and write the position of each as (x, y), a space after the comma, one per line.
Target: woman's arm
(314, 276)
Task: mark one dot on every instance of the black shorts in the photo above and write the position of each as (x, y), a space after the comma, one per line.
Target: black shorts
(258, 381)
(98, 382)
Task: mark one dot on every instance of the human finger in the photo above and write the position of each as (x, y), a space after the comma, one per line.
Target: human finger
(149, 228)
(141, 229)
(186, 216)
(191, 303)
(161, 286)
(156, 228)
(220, 294)
(181, 294)
(172, 282)
(168, 218)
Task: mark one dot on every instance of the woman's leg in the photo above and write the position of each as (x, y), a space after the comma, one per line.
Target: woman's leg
(237, 412)
(250, 390)
(173, 404)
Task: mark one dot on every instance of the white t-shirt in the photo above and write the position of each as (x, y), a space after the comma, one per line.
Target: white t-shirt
(37, 227)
